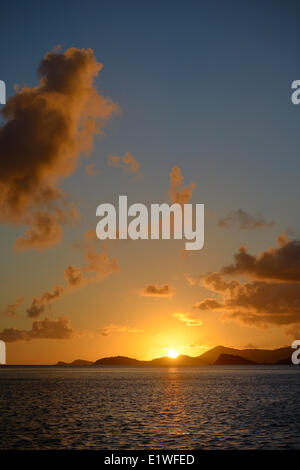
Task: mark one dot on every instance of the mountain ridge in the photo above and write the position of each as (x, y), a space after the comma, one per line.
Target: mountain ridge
(257, 356)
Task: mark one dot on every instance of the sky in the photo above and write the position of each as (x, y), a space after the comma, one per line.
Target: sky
(201, 90)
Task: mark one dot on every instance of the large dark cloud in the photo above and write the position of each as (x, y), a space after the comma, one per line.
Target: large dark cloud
(257, 303)
(272, 297)
(44, 329)
(45, 130)
(280, 264)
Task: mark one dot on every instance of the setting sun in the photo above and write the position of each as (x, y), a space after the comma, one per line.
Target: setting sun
(172, 353)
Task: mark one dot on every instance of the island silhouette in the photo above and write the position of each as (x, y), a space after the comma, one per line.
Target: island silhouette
(220, 355)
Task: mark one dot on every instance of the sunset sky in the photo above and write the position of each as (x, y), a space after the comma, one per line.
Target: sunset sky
(186, 89)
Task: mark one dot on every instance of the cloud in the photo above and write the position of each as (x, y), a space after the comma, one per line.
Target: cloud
(244, 221)
(45, 232)
(271, 298)
(73, 276)
(91, 170)
(256, 303)
(127, 162)
(293, 331)
(178, 193)
(97, 267)
(188, 319)
(38, 305)
(216, 282)
(110, 329)
(208, 304)
(277, 264)
(155, 291)
(45, 130)
(11, 310)
(44, 329)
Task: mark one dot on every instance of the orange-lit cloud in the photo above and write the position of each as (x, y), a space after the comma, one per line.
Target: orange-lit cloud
(188, 319)
(45, 130)
(178, 193)
(155, 291)
(110, 329)
(39, 304)
(91, 170)
(245, 221)
(127, 162)
(257, 303)
(97, 267)
(277, 264)
(44, 329)
(208, 304)
(11, 309)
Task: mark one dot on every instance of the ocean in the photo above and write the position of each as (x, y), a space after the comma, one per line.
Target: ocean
(114, 408)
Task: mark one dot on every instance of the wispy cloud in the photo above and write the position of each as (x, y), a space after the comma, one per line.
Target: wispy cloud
(96, 268)
(177, 192)
(112, 328)
(127, 162)
(244, 221)
(188, 319)
(91, 170)
(11, 309)
(153, 290)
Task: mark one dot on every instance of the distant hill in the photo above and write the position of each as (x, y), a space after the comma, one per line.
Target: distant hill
(256, 356)
(260, 356)
(77, 362)
(118, 361)
(229, 359)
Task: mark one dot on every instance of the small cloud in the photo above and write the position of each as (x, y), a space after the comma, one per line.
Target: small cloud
(244, 221)
(91, 170)
(155, 291)
(283, 239)
(178, 193)
(73, 276)
(208, 304)
(193, 281)
(188, 319)
(110, 329)
(39, 304)
(11, 310)
(127, 162)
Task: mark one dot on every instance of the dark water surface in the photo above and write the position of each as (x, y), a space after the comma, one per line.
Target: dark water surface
(150, 408)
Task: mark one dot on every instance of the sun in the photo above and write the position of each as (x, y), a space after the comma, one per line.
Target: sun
(172, 353)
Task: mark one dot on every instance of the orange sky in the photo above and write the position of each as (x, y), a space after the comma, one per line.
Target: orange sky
(66, 295)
